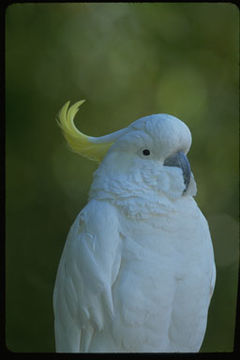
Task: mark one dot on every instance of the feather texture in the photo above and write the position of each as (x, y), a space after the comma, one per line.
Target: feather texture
(80, 143)
(137, 271)
(124, 286)
(88, 267)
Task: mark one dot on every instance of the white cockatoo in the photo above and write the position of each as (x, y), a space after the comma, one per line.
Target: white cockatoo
(137, 271)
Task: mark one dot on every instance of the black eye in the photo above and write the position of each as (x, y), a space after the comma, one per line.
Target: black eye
(146, 152)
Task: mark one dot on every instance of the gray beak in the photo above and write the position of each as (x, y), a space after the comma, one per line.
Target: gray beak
(180, 160)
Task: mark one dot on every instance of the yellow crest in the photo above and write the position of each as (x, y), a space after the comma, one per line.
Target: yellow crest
(90, 147)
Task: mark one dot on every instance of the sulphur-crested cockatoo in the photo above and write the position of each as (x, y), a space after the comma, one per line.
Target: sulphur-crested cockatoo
(137, 271)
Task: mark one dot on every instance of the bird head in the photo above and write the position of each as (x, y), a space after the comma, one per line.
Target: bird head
(151, 150)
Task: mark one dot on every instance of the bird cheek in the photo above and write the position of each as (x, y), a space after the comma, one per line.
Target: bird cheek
(162, 183)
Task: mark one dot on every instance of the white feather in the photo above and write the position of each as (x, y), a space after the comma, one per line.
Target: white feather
(87, 270)
(137, 272)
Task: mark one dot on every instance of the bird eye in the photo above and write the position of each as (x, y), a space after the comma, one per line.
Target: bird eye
(146, 152)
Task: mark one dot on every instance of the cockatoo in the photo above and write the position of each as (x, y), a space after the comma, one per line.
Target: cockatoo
(137, 271)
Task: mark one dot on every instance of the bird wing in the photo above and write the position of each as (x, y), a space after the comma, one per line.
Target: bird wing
(88, 267)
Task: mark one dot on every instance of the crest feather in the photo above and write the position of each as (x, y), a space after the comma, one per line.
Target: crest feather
(80, 143)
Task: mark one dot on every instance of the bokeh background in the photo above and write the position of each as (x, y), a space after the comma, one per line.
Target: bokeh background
(128, 60)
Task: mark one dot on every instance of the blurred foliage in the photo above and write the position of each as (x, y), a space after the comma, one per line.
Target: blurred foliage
(128, 60)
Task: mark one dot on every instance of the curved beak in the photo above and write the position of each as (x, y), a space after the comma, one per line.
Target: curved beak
(180, 160)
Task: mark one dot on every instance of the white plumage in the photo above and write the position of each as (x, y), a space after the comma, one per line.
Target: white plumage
(137, 271)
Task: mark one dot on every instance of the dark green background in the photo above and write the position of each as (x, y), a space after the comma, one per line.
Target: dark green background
(127, 60)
